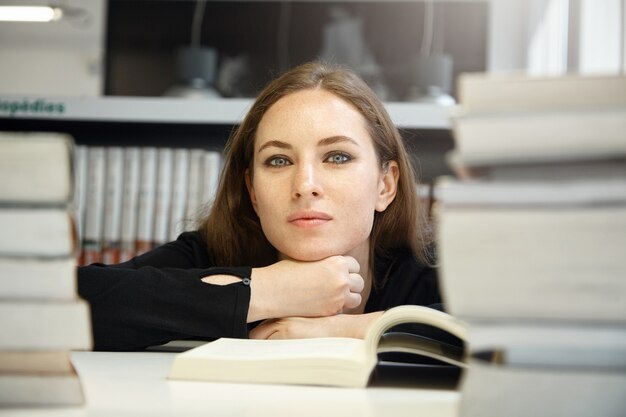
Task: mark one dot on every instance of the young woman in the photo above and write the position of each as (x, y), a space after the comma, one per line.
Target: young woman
(315, 230)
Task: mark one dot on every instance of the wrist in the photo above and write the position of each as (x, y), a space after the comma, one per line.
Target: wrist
(260, 307)
(363, 322)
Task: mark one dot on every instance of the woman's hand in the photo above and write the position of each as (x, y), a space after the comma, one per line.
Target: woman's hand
(305, 289)
(341, 325)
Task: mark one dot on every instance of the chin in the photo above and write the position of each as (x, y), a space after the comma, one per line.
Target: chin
(311, 254)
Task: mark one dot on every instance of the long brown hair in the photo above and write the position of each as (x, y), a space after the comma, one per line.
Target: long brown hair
(232, 229)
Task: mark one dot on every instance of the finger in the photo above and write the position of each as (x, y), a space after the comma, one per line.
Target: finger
(353, 264)
(263, 330)
(356, 283)
(276, 335)
(353, 300)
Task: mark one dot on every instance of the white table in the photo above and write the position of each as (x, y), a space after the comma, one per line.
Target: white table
(134, 383)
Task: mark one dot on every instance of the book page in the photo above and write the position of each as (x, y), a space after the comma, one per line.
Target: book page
(416, 315)
(250, 349)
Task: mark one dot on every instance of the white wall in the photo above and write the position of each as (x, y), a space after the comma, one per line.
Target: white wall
(555, 36)
(507, 36)
(63, 58)
(602, 36)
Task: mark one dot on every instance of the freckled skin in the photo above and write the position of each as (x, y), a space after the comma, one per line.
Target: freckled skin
(297, 169)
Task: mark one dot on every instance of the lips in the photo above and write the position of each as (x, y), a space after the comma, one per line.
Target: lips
(308, 218)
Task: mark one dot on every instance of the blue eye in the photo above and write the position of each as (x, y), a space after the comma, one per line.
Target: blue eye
(278, 161)
(338, 158)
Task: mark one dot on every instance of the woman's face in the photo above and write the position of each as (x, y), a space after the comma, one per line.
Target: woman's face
(317, 181)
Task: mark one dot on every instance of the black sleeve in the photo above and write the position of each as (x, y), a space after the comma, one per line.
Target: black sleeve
(159, 296)
(406, 281)
(410, 282)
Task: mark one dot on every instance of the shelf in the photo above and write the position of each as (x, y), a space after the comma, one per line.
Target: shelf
(174, 110)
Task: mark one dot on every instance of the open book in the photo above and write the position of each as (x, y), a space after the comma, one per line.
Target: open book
(332, 361)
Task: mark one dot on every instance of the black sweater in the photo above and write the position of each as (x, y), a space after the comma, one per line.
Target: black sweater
(159, 296)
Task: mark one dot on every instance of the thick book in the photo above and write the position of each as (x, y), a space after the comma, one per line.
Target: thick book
(38, 378)
(594, 165)
(32, 278)
(525, 191)
(44, 231)
(559, 262)
(44, 389)
(331, 361)
(35, 361)
(551, 343)
(502, 389)
(32, 325)
(543, 136)
(36, 168)
(480, 92)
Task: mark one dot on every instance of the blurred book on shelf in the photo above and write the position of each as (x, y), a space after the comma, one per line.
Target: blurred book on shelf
(531, 239)
(41, 316)
(137, 198)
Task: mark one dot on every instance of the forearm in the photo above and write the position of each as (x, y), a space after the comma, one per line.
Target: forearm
(260, 307)
(133, 309)
(357, 325)
(340, 325)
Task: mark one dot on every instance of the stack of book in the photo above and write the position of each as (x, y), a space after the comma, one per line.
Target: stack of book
(41, 316)
(532, 243)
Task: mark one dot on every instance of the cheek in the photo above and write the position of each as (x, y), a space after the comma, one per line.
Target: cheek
(267, 205)
(259, 186)
(357, 202)
(359, 196)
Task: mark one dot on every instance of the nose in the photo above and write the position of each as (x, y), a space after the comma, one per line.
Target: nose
(306, 182)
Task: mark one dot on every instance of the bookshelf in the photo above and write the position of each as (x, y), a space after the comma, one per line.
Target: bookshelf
(223, 111)
(159, 121)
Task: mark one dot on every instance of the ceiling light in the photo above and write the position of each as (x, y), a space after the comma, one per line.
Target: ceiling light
(29, 14)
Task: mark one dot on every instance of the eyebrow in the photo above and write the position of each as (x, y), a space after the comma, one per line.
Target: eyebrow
(323, 142)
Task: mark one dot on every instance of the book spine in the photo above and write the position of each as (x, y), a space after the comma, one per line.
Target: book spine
(163, 195)
(113, 205)
(179, 193)
(195, 183)
(94, 206)
(130, 202)
(147, 200)
(80, 192)
(212, 166)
